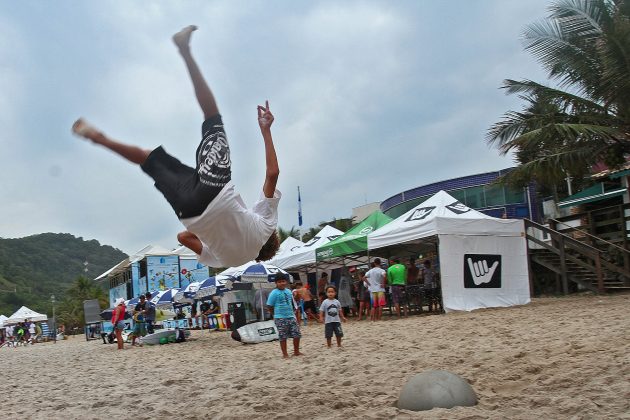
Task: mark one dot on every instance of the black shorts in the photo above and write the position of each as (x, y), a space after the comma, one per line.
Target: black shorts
(333, 327)
(190, 190)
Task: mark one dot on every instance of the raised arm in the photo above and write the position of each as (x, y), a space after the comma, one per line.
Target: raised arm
(265, 119)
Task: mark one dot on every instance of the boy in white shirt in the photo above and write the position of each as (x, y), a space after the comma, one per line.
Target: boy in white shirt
(220, 229)
(331, 314)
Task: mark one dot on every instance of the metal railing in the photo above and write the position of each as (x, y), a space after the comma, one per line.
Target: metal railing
(574, 251)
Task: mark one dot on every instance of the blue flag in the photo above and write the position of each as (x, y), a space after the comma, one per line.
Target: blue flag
(299, 208)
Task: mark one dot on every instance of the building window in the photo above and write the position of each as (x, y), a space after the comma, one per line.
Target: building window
(475, 197)
(514, 196)
(494, 195)
(459, 195)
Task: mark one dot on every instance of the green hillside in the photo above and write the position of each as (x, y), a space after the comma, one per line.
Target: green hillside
(35, 267)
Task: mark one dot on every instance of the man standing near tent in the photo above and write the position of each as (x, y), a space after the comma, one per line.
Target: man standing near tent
(429, 285)
(375, 281)
(396, 278)
(412, 289)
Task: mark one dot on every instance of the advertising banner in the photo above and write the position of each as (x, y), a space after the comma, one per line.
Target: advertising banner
(163, 272)
(190, 270)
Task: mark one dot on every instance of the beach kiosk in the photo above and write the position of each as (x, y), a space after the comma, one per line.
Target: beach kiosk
(483, 260)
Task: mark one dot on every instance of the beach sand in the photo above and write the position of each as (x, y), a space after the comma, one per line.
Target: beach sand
(557, 358)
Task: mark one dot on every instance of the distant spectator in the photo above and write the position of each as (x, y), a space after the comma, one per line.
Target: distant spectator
(412, 272)
(375, 282)
(428, 275)
(206, 308)
(149, 314)
(428, 279)
(139, 327)
(321, 287)
(363, 296)
(397, 277)
(303, 293)
(344, 296)
(38, 333)
(31, 332)
(413, 289)
(193, 314)
(118, 321)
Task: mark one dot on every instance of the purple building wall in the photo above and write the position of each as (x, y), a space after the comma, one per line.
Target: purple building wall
(529, 209)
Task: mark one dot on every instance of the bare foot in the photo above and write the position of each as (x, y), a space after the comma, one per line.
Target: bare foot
(298, 354)
(82, 129)
(285, 356)
(182, 38)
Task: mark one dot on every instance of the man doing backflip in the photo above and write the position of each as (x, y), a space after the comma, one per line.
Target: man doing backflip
(219, 228)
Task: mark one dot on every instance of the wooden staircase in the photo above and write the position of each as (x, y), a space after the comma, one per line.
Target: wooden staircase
(576, 261)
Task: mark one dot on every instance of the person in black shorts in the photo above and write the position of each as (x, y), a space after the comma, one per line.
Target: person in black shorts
(219, 228)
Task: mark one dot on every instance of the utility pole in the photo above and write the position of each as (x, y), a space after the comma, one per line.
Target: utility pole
(52, 299)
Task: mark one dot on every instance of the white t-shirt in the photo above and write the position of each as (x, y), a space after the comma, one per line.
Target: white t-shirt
(375, 277)
(232, 234)
(331, 309)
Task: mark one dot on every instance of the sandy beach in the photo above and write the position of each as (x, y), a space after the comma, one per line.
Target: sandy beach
(555, 358)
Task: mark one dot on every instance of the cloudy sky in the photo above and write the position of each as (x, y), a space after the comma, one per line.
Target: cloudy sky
(370, 98)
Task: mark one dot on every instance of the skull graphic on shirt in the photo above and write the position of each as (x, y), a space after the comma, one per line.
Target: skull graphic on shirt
(214, 155)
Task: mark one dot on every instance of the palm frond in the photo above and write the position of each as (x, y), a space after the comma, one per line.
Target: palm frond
(566, 43)
(581, 18)
(565, 99)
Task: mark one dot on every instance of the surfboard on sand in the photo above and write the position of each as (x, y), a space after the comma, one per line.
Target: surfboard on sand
(256, 332)
(153, 339)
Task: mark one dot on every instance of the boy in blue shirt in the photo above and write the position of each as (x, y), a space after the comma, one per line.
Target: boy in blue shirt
(282, 307)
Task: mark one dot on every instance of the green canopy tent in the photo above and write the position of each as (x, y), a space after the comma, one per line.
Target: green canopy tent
(352, 244)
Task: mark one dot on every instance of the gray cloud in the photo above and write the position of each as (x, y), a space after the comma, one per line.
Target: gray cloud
(370, 98)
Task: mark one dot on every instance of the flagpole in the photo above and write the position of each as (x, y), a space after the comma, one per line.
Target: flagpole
(299, 212)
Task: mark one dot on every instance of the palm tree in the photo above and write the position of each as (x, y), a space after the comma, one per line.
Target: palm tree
(284, 233)
(311, 233)
(71, 308)
(585, 46)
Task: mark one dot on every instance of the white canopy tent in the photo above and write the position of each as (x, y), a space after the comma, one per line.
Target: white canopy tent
(288, 245)
(23, 314)
(2, 320)
(483, 260)
(305, 254)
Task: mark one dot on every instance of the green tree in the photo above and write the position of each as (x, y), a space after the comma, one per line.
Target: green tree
(284, 233)
(561, 131)
(310, 233)
(70, 310)
(341, 224)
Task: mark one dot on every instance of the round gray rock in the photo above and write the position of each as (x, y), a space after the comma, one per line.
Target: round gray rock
(436, 388)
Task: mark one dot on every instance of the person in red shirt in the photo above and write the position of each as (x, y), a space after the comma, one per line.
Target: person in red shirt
(118, 318)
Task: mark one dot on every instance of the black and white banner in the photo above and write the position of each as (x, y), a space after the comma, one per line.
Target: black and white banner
(482, 271)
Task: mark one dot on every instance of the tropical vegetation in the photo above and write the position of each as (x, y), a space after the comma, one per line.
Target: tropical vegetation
(563, 130)
(35, 267)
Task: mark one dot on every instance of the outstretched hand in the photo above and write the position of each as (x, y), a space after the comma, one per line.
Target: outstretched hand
(265, 117)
